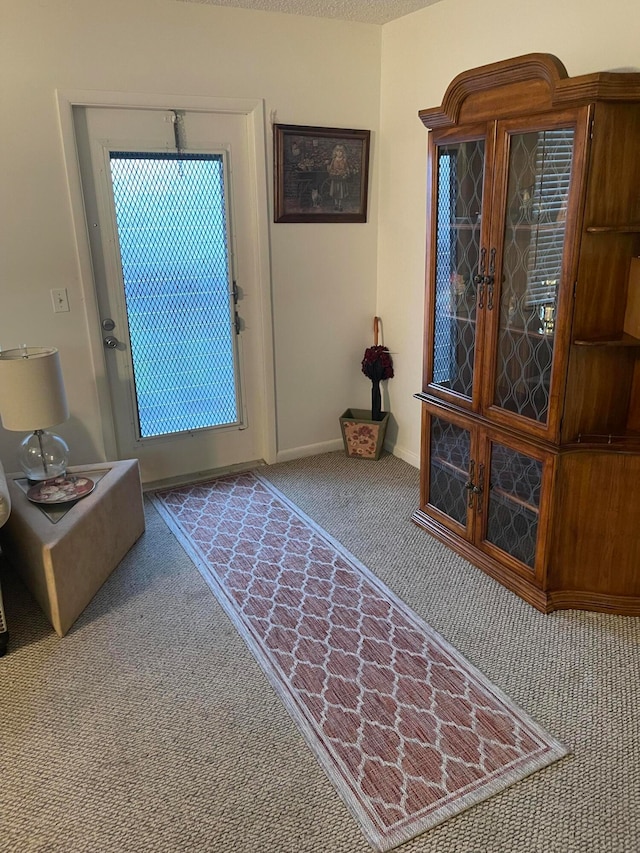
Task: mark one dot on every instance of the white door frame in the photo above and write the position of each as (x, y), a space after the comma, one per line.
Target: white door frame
(253, 110)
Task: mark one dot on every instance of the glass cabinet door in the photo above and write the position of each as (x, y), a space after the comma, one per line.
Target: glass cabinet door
(459, 175)
(513, 502)
(448, 487)
(531, 269)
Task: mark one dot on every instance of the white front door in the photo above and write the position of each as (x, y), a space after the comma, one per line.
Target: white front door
(169, 206)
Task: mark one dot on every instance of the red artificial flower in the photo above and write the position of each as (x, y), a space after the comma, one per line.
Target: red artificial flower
(377, 363)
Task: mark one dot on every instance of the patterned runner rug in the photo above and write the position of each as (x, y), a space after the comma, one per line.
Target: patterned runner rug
(405, 728)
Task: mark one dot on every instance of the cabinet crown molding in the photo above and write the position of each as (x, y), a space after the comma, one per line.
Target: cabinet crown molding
(520, 77)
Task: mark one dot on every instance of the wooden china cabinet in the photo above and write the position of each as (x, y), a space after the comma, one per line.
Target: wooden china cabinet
(531, 386)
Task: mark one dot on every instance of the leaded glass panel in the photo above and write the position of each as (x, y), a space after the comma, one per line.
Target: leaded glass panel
(460, 172)
(534, 238)
(449, 469)
(173, 236)
(514, 502)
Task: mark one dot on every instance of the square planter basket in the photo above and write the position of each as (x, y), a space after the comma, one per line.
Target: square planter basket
(363, 438)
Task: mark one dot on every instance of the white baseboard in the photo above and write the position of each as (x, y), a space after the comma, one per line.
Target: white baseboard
(407, 456)
(336, 444)
(309, 450)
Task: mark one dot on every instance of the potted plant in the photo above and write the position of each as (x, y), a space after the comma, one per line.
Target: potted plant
(363, 431)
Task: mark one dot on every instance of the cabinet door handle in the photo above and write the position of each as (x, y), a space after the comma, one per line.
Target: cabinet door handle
(480, 278)
(469, 485)
(478, 490)
(481, 295)
(492, 264)
(490, 295)
(490, 279)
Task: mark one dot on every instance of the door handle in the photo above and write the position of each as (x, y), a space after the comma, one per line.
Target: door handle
(480, 277)
(491, 278)
(469, 485)
(110, 342)
(479, 489)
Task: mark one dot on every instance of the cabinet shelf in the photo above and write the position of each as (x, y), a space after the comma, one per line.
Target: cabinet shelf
(464, 226)
(529, 333)
(614, 229)
(628, 441)
(461, 318)
(623, 341)
(450, 466)
(510, 498)
(540, 226)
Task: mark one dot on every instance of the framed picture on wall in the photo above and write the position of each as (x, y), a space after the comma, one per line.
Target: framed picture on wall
(321, 174)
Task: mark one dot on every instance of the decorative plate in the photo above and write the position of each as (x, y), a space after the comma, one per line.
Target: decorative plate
(61, 490)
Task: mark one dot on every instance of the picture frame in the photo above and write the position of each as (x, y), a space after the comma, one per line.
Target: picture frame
(321, 174)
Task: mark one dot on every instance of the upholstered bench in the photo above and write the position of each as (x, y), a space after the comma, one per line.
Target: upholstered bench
(64, 554)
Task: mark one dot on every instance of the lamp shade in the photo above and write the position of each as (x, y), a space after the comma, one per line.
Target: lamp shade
(32, 395)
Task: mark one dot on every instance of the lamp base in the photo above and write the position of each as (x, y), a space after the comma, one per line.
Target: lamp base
(43, 455)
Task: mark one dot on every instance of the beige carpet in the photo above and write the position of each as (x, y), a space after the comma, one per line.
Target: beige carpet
(150, 727)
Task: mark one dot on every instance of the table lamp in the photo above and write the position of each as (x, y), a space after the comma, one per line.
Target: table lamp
(32, 397)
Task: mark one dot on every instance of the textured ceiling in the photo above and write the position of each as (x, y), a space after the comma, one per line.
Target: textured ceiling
(365, 11)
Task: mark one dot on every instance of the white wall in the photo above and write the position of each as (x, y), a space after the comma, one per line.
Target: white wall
(308, 71)
(421, 54)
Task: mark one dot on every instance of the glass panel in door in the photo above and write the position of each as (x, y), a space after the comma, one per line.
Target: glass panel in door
(174, 245)
(534, 241)
(513, 504)
(460, 173)
(450, 454)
